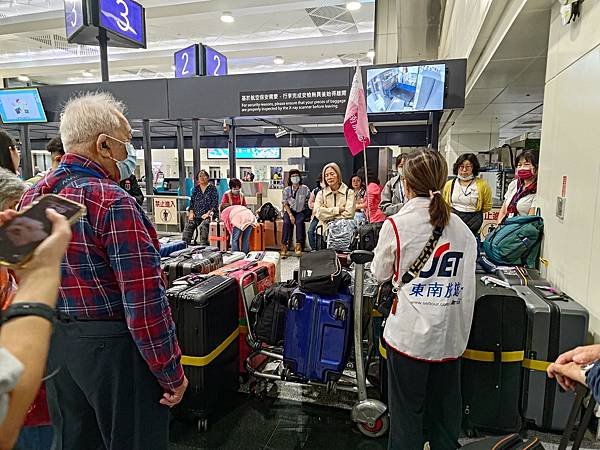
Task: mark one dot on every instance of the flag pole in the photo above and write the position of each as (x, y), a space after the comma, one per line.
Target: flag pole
(366, 183)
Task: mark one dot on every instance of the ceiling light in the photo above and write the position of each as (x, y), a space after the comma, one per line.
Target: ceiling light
(371, 53)
(23, 78)
(353, 6)
(278, 60)
(280, 132)
(227, 17)
(87, 74)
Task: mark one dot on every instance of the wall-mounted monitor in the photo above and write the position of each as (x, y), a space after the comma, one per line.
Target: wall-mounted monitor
(401, 89)
(21, 106)
(246, 153)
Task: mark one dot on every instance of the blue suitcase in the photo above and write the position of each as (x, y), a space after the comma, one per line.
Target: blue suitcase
(170, 247)
(317, 335)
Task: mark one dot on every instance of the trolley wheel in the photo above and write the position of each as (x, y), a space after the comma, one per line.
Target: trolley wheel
(202, 425)
(376, 429)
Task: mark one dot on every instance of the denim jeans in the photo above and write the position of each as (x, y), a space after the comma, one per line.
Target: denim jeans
(312, 233)
(288, 228)
(235, 239)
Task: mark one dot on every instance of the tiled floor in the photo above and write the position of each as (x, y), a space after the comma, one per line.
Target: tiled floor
(291, 417)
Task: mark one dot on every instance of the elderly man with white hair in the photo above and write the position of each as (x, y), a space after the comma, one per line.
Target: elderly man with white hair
(114, 355)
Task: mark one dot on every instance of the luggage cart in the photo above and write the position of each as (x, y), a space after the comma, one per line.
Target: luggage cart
(370, 415)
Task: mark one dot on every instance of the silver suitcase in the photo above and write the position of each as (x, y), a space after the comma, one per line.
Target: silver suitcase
(555, 324)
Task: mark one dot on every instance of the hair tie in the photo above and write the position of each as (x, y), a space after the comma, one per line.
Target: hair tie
(433, 193)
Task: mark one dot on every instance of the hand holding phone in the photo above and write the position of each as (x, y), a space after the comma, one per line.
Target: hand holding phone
(25, 231)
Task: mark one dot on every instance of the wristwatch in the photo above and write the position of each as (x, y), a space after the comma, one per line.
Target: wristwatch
(28, 309)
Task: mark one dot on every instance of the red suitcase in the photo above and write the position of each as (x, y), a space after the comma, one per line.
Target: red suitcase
(257, 238)
(265, 277)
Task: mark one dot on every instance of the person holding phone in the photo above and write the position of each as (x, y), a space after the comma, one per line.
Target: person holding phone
(24, 337)
(114, 349)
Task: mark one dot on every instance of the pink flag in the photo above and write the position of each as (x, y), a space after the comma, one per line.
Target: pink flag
(356, 124)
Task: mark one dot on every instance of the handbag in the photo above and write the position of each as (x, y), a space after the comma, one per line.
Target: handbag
(386, 293)
(320, 272)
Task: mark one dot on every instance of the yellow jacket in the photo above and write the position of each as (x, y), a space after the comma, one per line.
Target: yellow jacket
(484, 202)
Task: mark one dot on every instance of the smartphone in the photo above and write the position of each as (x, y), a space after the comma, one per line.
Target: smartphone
(21, 236)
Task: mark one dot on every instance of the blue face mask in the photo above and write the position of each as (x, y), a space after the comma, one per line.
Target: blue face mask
(127, 166)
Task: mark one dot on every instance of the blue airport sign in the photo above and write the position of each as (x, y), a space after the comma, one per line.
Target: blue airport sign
(186, 62)
(124, 18)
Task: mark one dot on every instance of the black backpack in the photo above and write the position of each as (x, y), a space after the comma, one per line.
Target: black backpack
(268, 311)
(268, 212)
(366, 237)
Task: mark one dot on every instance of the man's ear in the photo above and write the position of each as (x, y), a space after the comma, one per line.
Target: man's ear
(102, 146)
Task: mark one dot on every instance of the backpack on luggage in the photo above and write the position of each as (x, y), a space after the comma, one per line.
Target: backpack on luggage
(492, 363)
(516, 241)
(320, 272)
(317, 335)
(268, 311)
(366, 237)
(206, 318)
(268, 213)
(340, 233)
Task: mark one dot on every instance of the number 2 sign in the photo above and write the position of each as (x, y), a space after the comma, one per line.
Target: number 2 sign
(214, 62)
(186, 62)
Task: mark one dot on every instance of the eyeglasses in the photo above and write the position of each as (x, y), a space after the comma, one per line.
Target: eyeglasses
(466, 167)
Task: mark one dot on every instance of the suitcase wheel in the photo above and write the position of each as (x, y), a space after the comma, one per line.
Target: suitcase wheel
(375, 429)
(294, 303)
(339, 313)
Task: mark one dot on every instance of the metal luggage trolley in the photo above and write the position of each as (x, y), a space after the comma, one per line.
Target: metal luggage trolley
(370, 415)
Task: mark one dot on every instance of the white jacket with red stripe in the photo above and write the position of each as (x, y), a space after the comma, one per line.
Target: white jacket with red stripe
(431, 319)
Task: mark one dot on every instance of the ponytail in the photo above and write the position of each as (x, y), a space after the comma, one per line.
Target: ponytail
(439, 211)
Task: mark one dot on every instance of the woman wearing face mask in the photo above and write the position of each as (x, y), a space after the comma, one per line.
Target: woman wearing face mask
(336, 200)
(468, 196)
(312, 228)
(392, 196)
(521, 195)
(429, 323)
(204, 203)
(295, 210)
(358, 186)
(234, 195)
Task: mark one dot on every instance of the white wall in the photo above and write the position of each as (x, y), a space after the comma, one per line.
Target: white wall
(462, 23)
(569, 147)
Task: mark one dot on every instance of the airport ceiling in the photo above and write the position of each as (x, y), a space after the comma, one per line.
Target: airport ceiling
(306, 34)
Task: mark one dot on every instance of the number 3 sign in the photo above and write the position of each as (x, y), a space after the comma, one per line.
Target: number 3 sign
(124, 18)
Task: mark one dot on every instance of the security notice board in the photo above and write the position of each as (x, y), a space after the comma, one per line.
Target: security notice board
(304, 101)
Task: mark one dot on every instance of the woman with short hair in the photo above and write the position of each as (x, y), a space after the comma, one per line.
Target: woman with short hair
(295, 210)
(469, 196)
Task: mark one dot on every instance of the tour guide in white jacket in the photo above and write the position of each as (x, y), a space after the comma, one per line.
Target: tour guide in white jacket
(428, 328)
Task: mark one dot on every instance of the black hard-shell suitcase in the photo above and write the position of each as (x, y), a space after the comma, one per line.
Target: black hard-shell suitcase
(200, 260)
(206, 318)
(492, 363)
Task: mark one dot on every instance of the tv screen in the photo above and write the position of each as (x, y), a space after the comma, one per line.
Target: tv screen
(21, 106)
(246, 153)
(406, 88)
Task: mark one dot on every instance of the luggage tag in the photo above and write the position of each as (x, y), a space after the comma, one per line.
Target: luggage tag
(197, 256)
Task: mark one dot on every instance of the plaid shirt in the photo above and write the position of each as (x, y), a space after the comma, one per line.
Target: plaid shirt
(112, 266)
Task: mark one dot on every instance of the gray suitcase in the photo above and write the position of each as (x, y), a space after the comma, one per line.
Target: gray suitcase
(555, 324)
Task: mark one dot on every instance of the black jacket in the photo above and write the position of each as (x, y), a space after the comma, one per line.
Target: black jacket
(132, 187)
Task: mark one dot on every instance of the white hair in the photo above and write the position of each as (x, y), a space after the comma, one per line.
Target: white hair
(11, 187)
(88, 115)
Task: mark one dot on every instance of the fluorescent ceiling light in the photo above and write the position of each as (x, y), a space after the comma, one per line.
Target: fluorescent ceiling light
(87, 74)
(23, 78)
(278, 60)
(353, 6)
(371, 53)
(226, 17)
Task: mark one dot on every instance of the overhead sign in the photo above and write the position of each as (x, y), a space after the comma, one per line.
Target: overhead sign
(165, 211)
(246, 153)
(74, 19)
(125, 18)
(311, 101)
(215, 63)
(187, 62)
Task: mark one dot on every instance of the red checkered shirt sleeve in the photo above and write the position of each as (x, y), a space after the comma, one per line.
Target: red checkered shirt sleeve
(136, 264)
